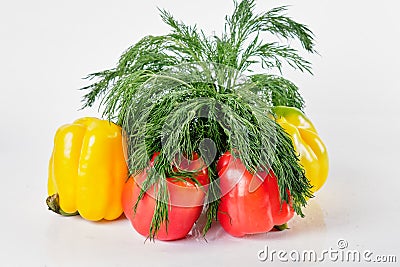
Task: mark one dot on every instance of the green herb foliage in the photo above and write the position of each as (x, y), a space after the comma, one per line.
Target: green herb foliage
(172, 92)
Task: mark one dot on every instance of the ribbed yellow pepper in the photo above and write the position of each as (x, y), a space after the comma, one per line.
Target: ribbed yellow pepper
(87, 170)
(312, 151)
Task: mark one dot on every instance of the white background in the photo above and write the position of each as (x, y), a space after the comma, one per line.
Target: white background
(47, 47)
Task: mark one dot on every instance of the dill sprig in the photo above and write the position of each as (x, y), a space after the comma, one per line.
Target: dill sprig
(172, 92)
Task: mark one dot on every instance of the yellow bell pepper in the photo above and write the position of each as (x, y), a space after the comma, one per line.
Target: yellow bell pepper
(87, 170)
(309, 146)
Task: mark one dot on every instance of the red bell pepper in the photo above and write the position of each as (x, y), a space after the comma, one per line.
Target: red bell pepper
(186, 199)
(250, 203)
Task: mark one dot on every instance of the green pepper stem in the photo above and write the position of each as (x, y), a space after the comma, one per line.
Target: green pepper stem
(281, 227)
(53, 203)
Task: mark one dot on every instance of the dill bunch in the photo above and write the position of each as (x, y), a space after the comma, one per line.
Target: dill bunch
(186, 92)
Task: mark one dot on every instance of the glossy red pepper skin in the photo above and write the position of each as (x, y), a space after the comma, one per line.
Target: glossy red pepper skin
(250, 204)
(184, 207)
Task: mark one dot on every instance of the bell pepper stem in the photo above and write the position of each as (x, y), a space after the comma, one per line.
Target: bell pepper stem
(54, 205)
(281, 227)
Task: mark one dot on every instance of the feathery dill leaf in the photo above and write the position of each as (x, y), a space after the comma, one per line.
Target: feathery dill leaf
(277, 91)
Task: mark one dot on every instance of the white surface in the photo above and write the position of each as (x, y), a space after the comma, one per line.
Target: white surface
(46, 47)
